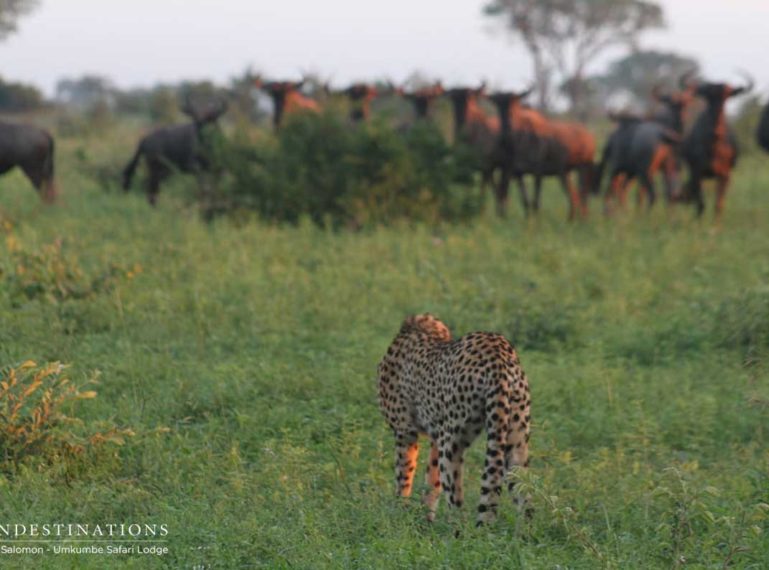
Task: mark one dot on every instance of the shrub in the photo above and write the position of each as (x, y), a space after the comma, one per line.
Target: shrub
(48, 273)
(33, 422)
(338, 174)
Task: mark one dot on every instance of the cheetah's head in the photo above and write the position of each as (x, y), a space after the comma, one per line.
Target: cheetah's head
(428, 324)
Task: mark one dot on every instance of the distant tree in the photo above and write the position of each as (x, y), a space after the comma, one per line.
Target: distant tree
(564, 37)
(636, 74)
(163, 106)
(16, 97)
(11, 11)
(244, 91)
(86, 92)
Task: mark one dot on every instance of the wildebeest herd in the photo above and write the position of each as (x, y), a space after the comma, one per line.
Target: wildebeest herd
(518, 142)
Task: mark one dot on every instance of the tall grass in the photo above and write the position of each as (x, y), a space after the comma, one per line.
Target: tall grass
(248, 354)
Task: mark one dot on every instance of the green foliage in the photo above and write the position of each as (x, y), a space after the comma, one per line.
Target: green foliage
(50, 274)
(18, 97)
(11, 11)
(322, 168)
(745, 123)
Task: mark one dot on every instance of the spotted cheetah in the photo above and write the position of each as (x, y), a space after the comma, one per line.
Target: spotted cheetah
(450, 390)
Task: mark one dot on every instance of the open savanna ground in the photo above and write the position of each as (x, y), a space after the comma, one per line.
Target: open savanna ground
(243, 358)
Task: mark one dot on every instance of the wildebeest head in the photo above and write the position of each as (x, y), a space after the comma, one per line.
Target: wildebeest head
(504, 101)
(206, 111)
(361, 95)
(675, 104)
(279, 89)
(717, 93)
(460, 98)
(423, 98)
(287, 97)
(360, 92)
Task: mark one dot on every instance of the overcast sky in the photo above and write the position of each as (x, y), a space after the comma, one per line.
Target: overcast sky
(141, 42)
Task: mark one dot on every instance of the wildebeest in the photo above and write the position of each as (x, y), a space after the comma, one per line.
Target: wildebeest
(710, 148)
(642, 147)
(762, 134)
(529, 143)
(287, 98)
(180, 147)
(422, 99)
(472, 126)
(360, 95)
(31, 149)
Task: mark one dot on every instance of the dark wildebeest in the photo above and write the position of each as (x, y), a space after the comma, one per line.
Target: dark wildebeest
(529, 143)
(472, 126)
(762, 134)
(641, 148)
(710, 148)
(422, 99)
(360, 95)
(177, 147)
(287, 98)
(31, 149)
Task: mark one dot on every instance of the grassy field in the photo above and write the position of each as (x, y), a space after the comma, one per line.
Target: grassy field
(244, 360)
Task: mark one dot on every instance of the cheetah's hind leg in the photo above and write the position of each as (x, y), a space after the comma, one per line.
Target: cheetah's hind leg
(433, 480)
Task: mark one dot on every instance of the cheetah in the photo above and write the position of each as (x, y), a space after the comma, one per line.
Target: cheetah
(450, 390)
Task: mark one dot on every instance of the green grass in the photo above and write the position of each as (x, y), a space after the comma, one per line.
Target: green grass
(645, 338)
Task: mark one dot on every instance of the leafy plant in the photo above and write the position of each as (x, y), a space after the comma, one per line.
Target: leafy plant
(50, 274)
(33, 417)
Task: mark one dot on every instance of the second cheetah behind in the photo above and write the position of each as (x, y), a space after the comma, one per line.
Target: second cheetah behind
(451, 390)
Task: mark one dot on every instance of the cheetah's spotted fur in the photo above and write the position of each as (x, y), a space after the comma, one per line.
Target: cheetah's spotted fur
(450, 390)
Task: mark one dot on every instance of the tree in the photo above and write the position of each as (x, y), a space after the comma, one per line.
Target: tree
(564, 37)
(11, 11)
(635, 75)
(19, 97)
(86, 92)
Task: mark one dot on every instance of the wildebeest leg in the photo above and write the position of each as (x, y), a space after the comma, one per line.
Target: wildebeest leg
(502, 193)
(571, 193)
(695, 192)
(537, 191)
(672, 190)
(524, 195)
(611, 192)
(623, 190)
(153, 187)
(156, 173)
(646, 186)
(585, 175)
(722, 187)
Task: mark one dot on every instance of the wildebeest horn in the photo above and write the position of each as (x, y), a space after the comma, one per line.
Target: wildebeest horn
(526, 92)
(750, 83)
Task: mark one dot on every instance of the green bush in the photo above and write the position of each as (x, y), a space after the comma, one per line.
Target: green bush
(321, 167)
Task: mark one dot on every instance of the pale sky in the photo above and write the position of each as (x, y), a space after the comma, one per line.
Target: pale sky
(141, 42)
